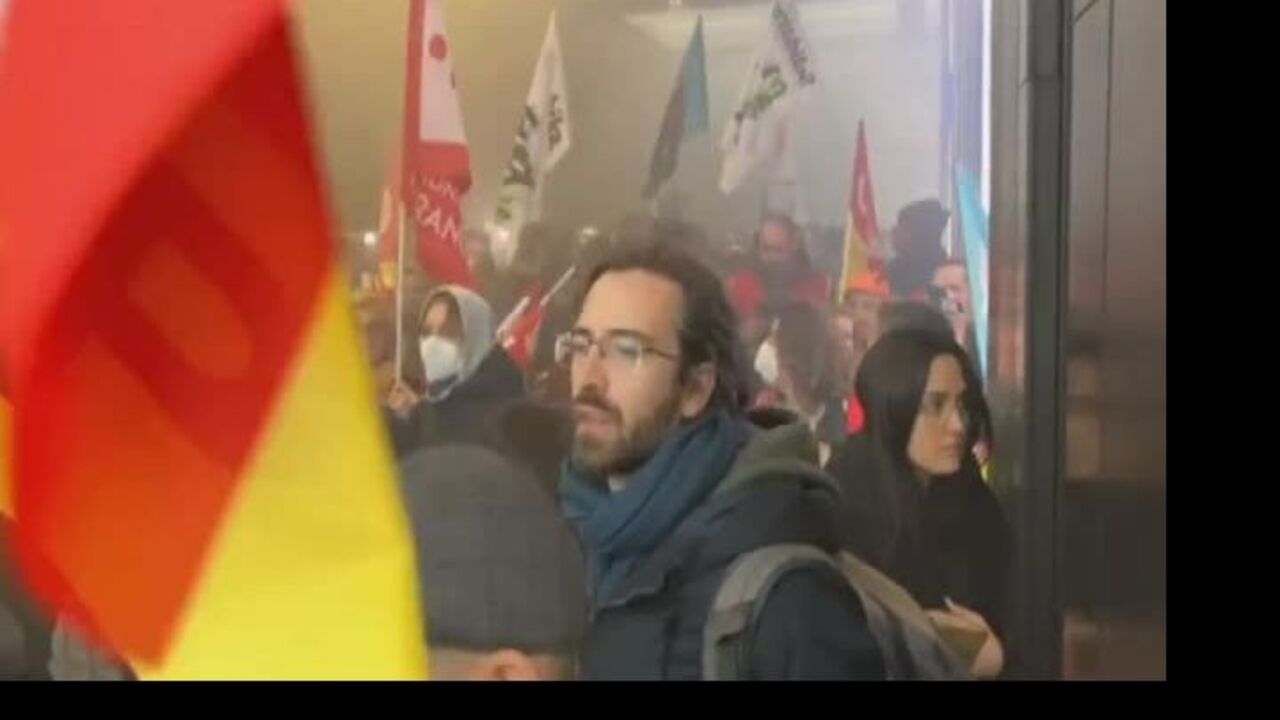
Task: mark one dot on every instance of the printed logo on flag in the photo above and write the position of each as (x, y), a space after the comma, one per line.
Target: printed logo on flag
(784, 21)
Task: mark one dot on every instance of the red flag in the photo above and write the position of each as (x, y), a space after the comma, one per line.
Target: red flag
(180, 348)
(856, 417)
(861, 228)
(140, 248)
(519, 344)
(437, 164)
(862, 200)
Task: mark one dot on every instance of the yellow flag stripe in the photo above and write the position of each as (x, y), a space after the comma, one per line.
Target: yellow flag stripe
(312, 575)
(855, 256)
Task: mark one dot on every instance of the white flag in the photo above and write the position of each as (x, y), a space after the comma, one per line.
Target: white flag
(781, 71)
(439, 112)
(542, 139)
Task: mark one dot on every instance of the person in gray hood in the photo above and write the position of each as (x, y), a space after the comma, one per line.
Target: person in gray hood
(469, 379)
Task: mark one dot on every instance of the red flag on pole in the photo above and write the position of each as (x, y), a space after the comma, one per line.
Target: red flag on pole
(437, 164)
(861, 228)
(519, 344)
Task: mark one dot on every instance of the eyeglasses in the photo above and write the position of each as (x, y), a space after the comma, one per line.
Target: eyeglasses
(620, 351)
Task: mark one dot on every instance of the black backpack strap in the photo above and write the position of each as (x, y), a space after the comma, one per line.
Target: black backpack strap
(741, 598)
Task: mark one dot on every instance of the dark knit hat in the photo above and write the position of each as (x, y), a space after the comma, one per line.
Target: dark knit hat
(913, 316)
(498, 566)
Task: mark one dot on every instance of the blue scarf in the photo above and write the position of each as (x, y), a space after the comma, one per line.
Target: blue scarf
(620, 529)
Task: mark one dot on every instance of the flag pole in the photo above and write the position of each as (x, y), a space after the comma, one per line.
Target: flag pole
(505, 327)
(400, 238)
(559, 284)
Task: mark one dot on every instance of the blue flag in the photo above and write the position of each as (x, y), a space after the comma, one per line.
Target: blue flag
(686, 113)
(977, 250)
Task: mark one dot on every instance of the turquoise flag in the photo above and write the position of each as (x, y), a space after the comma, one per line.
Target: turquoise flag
(977, 250)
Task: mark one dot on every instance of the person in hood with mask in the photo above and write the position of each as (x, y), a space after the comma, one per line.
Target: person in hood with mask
(780, 273)
(669, 482)
(469, 379)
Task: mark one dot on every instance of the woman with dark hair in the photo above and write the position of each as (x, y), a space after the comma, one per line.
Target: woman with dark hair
(916, 505)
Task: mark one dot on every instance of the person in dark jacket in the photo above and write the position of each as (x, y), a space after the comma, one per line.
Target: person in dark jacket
(918, 250)
(536, 435)
(913, 315)
(668, 483)
(24, 629)
(469, 379)
(34, 647)
(495, 285)
(915, 504)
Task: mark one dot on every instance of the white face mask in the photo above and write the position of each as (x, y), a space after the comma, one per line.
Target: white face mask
(441, 358)
(767, 363)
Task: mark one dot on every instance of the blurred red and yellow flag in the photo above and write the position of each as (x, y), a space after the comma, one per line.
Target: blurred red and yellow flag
(198, 472)
(861, 228)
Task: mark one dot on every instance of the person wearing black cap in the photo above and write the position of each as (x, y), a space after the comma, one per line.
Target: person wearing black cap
(502, 578)
(917, 248)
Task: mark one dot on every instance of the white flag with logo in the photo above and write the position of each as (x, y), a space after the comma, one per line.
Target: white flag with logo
(542, 138)
(781, 71)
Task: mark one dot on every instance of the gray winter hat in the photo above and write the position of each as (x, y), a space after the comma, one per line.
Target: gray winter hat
(498, 566)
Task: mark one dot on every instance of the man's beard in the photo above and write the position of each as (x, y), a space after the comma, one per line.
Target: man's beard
(632, 446)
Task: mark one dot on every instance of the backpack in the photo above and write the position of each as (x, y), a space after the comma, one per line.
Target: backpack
(911, 647)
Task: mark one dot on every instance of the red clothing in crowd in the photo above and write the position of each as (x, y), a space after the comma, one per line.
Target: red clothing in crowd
(747, 292)
(857, 418)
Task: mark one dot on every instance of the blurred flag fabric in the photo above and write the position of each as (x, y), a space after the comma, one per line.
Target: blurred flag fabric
(686, 114)
(436, 161)
(199, 476)
(861, 228)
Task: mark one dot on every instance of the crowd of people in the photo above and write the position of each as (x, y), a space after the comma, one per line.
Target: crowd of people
(684, 403)
(581, 496)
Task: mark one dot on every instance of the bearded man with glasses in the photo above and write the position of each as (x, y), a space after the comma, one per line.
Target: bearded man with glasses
(669, 482)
